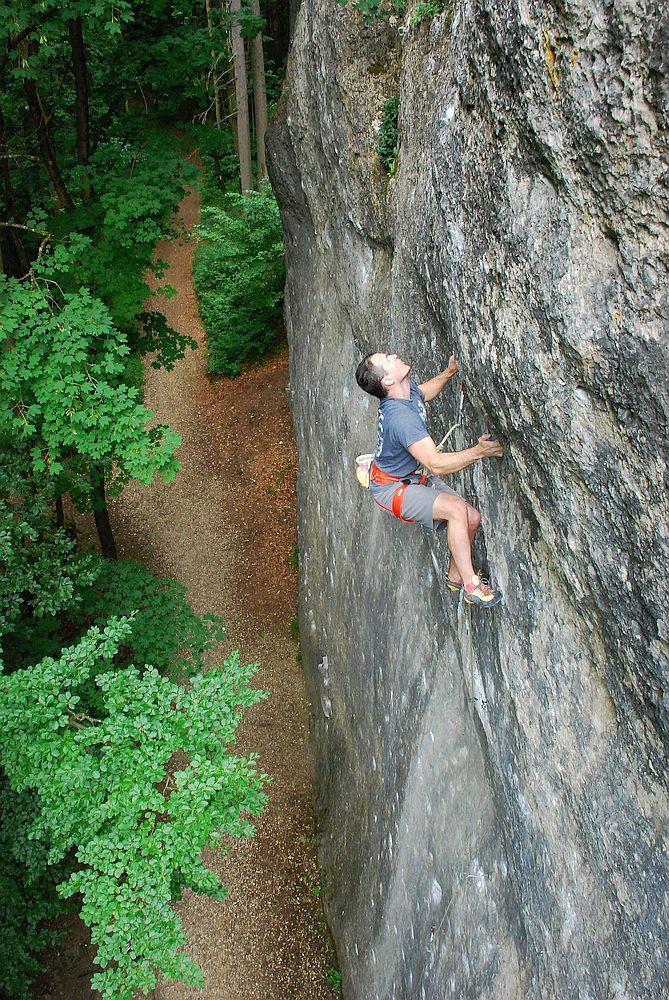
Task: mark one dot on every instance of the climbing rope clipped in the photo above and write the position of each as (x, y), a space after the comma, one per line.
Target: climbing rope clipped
(466, 795)
(458, 423)
(467, 646)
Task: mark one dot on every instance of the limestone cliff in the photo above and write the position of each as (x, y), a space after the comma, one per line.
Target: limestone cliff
(492, 785)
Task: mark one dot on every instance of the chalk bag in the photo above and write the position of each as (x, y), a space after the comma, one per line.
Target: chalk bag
(362, 467)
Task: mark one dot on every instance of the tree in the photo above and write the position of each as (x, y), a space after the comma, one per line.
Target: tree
(45, 144)
(109, 787)
(65, 400)
(259, 97)
(214, 70)
(110, 759)
(76, 35)
(242, 105)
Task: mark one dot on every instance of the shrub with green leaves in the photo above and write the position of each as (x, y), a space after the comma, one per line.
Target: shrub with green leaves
(216, 148)
(40, 571)
(27, 893)
(117, 770)
(372, 9)
(136, 791)
(166, 632)
(64, 395)
(425, 9)
(239, 276)
(138, 183)
(387, 145)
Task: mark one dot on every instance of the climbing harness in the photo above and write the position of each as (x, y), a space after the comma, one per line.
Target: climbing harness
(382, 478)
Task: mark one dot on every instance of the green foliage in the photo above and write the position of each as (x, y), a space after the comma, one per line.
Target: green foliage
(39, 571)
(27, 896)
(165, 633)
(137, 792)
(64, 398)
(333, 978)
(219, 159)
(372, 9)
(107, 242)
(387, 145)
(431, 8)
(105, 757)
(238, 276)
(156, 337)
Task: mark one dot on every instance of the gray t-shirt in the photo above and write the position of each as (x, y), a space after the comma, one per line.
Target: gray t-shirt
(402, 422)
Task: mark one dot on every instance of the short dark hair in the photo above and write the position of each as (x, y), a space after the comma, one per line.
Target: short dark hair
(368, 377)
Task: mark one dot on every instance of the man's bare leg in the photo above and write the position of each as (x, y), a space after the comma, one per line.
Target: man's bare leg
(463, 521)
(473, 522)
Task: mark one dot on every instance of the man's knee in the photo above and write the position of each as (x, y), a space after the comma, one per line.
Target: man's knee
(473, 517)
(448, 507)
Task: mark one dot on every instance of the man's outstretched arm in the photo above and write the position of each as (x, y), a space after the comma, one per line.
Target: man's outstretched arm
(443, 463)
(433, 386)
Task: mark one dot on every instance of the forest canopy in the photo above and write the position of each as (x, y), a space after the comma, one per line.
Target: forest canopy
(115, 760)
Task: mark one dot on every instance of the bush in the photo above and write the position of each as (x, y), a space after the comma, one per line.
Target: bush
(387, 144)
(238, 275)
(134, 792)
(27, 893)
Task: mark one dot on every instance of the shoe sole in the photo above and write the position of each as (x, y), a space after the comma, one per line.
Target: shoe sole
(455, 587)
(478, 603)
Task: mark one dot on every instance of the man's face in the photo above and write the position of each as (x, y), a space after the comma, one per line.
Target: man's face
(392, 366)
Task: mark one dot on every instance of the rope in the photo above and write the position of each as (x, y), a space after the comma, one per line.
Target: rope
(469, 667)
(458, 423)
(466, 790)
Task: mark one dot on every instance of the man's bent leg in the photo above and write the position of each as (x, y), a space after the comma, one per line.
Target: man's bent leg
(473, 522)
(460, 531)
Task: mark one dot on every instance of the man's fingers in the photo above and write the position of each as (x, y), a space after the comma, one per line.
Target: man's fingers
(491, 449)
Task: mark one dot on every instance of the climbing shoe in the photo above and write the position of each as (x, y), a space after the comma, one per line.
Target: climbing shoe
(456, 585)
(479, 592)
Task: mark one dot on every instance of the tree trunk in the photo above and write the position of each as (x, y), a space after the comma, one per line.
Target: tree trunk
(18, 259)
(75, 31)
(102, 522)
(46, 146)
(214, 69)
(60, 512)
(259, 97)
(241, 92)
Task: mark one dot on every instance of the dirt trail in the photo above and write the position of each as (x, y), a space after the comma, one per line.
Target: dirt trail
(225, 528)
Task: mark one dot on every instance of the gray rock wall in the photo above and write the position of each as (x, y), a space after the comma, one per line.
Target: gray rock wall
(492, 785)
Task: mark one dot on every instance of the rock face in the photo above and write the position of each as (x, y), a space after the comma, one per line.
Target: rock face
(492, 786)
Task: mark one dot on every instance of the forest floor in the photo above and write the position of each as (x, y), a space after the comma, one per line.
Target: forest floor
(225, 527)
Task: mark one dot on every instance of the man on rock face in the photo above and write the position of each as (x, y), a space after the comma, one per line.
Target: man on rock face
(403, 444)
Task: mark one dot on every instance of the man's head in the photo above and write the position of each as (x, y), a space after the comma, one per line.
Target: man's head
(380, 374)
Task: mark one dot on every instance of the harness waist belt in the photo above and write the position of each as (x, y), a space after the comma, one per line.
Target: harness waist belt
(382, 478)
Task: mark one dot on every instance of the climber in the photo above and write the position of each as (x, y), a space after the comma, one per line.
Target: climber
(403, 444)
